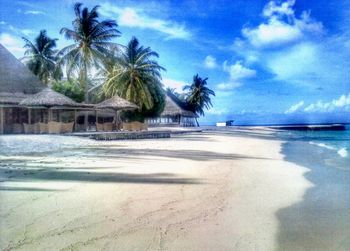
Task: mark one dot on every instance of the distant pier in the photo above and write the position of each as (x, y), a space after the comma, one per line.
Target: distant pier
(324, 127)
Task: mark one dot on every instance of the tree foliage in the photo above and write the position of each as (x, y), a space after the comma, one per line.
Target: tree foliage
(40, 57)
(131, 71)
(71, 89)
(134, 75)
(198, 96)
(92, 43)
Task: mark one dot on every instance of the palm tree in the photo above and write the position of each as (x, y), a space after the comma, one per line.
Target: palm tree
(198, 96)
(135, 76)
(91, 44)
(40, 57)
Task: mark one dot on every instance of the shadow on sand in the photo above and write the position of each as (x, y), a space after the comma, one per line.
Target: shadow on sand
(27, 189)
(16, 170)
(321, 221)
(195, 155)
(20, 175)
(40, 166)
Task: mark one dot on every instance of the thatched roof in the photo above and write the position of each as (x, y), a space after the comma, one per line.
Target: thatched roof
(116, 103)
(15, 77)
(172, 108)
(48, 98)
(9, 98)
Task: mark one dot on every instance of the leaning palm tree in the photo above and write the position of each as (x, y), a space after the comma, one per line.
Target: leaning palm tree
(40, 57)
(92, 43)
(135, 76)
(198, 96)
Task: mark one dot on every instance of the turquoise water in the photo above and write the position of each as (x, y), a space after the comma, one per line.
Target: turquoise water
(330, 147)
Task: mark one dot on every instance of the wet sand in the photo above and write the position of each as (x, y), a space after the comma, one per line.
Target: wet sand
(200, 191)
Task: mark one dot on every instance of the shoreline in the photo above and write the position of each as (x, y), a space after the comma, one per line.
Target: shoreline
(202, 191)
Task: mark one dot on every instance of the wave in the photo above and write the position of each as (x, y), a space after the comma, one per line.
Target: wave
(342, 152)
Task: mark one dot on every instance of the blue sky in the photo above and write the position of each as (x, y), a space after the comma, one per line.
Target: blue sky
(268, 61)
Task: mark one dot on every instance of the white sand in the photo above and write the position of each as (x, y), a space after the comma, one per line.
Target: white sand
(192, 192)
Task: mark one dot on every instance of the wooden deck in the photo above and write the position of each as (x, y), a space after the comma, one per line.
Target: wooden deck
(122, 135)
(128, 135)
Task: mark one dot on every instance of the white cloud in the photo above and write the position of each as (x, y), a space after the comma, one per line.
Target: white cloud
(34, 12)
(281, 26)
(272, 8)
(172, 83)
(237, 71)
(274, 32)
(295, 107)
(228, 86)
(137, 18)
(13, 29)
(298, 61)
(217, 111)
(340, 104)
(27, 32)
(13, 44)
(210, 62)
(304, 58)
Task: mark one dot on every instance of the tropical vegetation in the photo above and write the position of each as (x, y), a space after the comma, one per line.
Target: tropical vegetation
(69, 88)
(40, 57)
(92, 43)
(97, 68)
(198, 96)
(135, 75)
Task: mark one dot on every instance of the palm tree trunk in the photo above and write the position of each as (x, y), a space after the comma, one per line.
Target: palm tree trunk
(197, 122)
(86, 98)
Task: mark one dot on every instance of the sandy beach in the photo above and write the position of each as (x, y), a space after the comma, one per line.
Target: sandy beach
(199, 191)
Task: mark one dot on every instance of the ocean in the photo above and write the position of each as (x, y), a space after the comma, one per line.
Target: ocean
(311, 148)
(327, 148)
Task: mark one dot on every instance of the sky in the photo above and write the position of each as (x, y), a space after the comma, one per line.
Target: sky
(267, 61)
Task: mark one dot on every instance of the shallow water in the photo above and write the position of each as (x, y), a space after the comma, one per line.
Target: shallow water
(321, 220)
(332, 147)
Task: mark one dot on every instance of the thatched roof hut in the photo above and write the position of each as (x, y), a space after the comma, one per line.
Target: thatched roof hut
(116, 103)
(173, 108)
(48, 98)
(12, 99)
(15, 77)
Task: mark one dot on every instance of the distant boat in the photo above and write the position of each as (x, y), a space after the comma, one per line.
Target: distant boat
(226, 123)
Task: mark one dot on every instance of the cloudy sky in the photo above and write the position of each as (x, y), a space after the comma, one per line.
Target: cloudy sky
(268, 61)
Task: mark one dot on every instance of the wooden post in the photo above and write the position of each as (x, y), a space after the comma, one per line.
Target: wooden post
(50, 115)
(75, 119)
(29, 116)
(2, 122)
(117, 120)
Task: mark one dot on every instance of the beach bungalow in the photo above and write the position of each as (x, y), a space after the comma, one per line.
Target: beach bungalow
(16, 84)
(174, 114)
(25, 102)
(28, 106)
